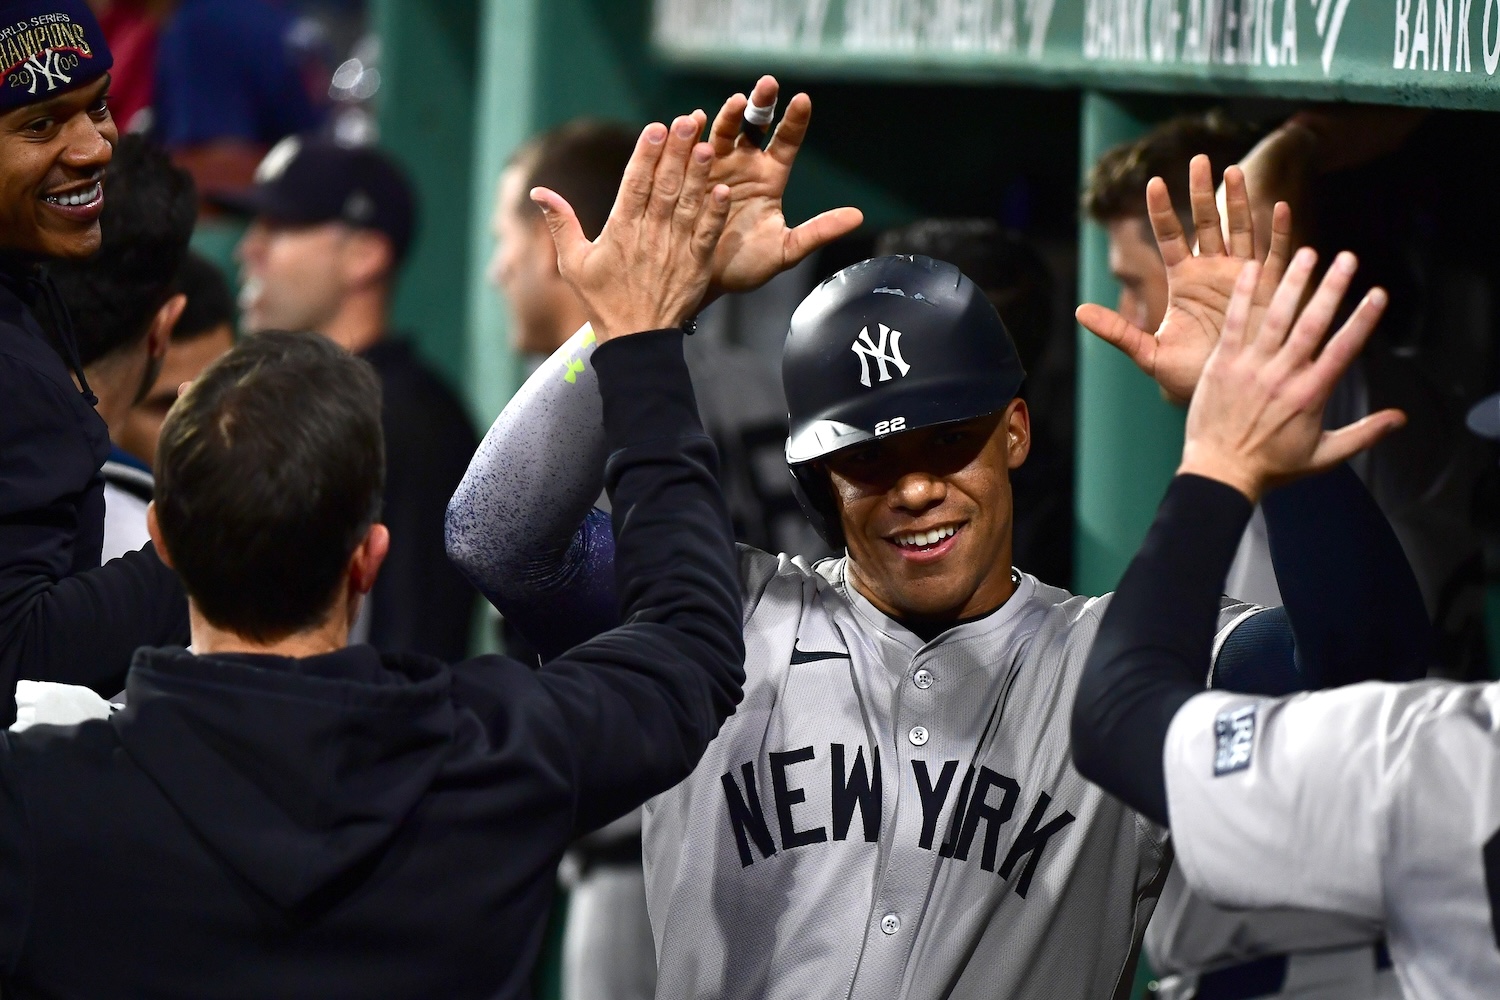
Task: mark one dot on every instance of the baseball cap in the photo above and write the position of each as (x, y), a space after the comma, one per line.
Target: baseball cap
(305, 181)
(48, 47)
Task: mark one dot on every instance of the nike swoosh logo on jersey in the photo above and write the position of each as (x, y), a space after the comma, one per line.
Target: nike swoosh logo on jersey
(814, 655)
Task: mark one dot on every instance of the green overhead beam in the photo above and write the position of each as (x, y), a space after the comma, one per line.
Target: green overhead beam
(1432, 53)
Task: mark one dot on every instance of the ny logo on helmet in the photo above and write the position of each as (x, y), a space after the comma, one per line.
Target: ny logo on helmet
(868, 349)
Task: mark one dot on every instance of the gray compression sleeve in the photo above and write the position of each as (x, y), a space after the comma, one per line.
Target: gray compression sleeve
(517, 523)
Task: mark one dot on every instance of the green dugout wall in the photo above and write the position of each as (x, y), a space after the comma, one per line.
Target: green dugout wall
(1012, 86)
(468, 80)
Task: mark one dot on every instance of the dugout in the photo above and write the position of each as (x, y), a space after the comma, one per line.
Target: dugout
(952, 107)
(939, 107)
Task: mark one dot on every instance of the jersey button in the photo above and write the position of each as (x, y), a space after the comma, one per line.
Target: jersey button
(890, 923)
(918, 736)
(922, 678)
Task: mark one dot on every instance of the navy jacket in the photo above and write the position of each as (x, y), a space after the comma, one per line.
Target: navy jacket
(421, 603)
(62, 618)
(359, 825)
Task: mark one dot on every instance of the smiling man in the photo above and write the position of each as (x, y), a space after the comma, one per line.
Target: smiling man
(62, 618)
(893, 811)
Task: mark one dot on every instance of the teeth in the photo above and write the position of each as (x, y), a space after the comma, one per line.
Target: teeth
(920, 539)
(85, 197)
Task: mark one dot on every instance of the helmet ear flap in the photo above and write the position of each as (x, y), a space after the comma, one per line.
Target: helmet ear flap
(810, 486)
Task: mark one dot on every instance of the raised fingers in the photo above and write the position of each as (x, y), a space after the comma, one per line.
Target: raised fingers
(726, 128)
(710, 223)
(668, 178)
(792, 130)
(821, 230)
(1341, 350)
(1238, 219)
(694, 186)
(1317, 316)
(1283, 309)
(1237, 317)
(635, 185)
(1280, 251)
(1343, 444)
(1205, 209)
(1165, 224)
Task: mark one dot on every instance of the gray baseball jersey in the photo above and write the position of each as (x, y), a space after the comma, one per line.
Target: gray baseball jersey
(1377, 801)
(886, 817)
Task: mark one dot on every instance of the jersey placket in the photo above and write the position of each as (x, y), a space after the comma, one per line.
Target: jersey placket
(903, 887)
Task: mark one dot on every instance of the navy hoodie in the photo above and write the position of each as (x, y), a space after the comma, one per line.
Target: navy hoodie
(62, 618)
(358, 825)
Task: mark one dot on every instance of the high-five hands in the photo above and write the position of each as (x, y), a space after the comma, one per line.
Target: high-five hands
(757, 244)
(1256, 420)
(650, 266)
(1198, 286)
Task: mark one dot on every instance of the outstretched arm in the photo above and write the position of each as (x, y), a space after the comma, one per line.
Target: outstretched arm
(520, 524)
(1255, 423)
(1327, 535)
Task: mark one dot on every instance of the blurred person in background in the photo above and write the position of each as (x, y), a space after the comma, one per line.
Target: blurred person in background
(204, 331)
(1202, 952)
(124, 306)
(232, 79)
(1115, 197)
(1014, 277)
(331, 225)
(63, 617)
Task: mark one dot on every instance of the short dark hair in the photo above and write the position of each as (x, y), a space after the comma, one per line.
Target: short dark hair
(210, 303)
(1002, 262)
(1116, 187)
(268, 476)
(150, 207)
(583, 160)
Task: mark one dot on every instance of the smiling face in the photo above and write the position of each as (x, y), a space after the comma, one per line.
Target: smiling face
(52, 159)
(927, 515)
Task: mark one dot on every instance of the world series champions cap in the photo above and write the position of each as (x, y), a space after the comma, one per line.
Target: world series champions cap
(306, 180)
(48, 47)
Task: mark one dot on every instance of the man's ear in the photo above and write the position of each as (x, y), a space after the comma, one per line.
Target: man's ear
(159, 335)
(153, 528)
(369, 257)
(1017, 433)
(364, 564)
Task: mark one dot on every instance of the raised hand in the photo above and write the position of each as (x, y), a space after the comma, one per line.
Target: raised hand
(650, 266)
(1198, 286)
(757, 244)
(1256, 420)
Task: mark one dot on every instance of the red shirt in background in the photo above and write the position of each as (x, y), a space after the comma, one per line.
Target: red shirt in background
(132, 33)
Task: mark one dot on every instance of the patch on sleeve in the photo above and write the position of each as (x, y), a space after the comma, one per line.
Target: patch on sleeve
(1234, 739)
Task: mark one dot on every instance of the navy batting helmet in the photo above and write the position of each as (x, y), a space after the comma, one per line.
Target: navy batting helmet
(888, 345)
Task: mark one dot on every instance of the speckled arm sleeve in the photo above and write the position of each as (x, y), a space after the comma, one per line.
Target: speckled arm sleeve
(522, 524)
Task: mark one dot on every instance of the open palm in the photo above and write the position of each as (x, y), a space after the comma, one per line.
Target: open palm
(757, 243)
(1199, 286)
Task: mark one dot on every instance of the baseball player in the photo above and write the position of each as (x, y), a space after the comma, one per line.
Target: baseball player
(893, 809)
(1378, 801)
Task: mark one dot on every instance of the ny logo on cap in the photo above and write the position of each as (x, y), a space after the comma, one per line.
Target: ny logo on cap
(868, 349)
(53, 68)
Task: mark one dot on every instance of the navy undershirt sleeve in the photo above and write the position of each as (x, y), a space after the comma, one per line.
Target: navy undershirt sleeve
(1155, 641)
(1352, 608)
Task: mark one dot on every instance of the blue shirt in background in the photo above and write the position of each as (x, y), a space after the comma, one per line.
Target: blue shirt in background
(228, 69)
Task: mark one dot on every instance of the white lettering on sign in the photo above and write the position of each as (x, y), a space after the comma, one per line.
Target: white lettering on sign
(1004, 27)
(998, 26)
(768, 24)
(1227, 32)
(1434, 36)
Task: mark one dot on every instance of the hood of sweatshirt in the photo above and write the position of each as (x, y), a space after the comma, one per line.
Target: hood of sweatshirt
(297, 773)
